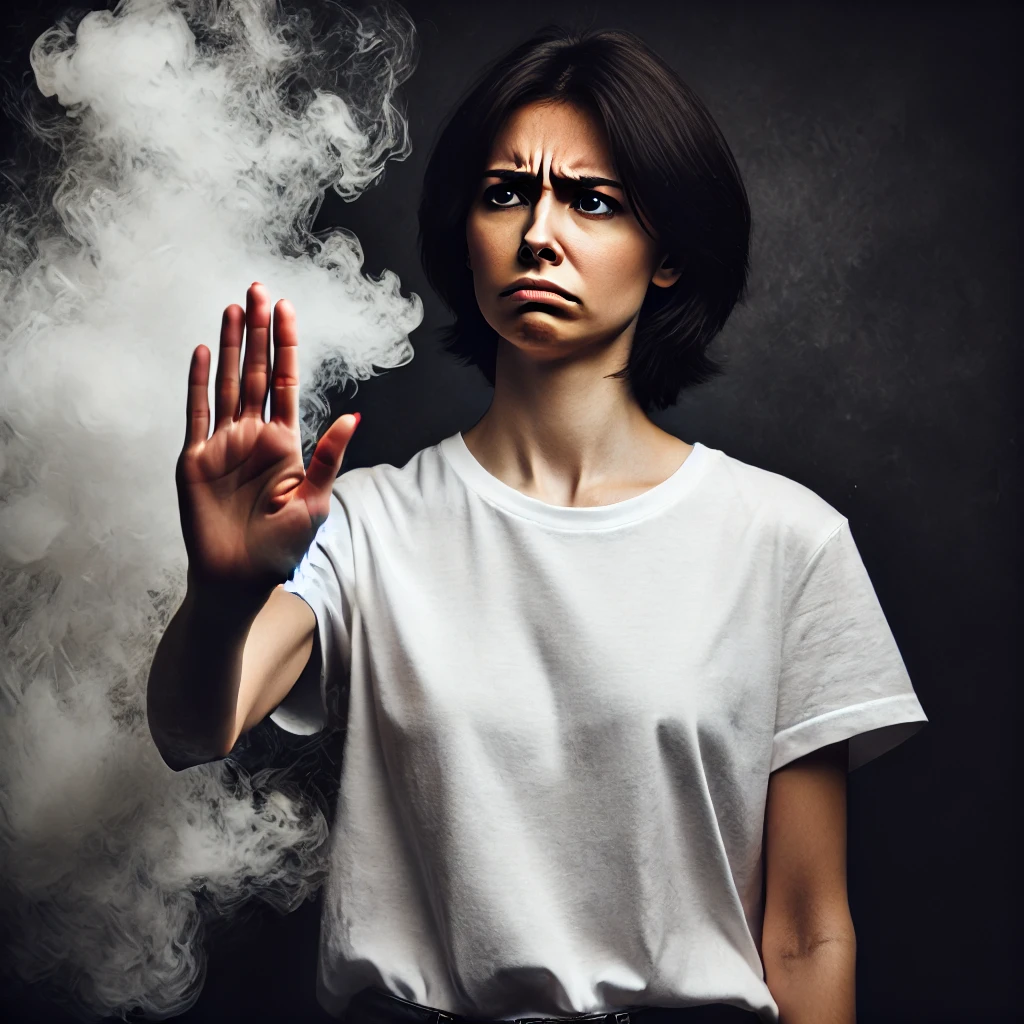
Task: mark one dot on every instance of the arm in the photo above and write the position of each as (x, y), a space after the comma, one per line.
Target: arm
(808, 942)
(221, 666)
(249, 510)
(283, 645)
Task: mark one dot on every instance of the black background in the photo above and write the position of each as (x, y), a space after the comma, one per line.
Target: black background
(874, 361)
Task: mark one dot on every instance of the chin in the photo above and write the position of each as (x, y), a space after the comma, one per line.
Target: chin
(536, 328)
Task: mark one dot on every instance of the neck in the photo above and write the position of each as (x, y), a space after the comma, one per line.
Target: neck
(562, 431)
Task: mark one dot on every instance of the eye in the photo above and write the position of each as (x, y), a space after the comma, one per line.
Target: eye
(499, 195)
(591, 202)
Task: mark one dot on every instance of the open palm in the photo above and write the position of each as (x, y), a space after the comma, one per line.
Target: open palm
(248, 508)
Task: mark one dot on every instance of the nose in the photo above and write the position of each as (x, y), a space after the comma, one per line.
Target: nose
(539, 243)
(527, 255)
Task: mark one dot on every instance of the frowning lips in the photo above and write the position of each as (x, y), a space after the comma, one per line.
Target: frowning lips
(535, 284)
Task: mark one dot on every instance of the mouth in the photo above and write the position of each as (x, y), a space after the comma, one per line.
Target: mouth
(529, 290)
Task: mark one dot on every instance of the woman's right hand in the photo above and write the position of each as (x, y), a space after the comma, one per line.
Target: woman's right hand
(249, 510)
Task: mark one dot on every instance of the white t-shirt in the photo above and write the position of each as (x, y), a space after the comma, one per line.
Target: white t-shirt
(561, 723)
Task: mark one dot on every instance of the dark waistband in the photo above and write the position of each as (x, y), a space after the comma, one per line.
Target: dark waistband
(374, 1006)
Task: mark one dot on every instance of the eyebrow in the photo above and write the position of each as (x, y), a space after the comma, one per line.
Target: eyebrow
(585, 180)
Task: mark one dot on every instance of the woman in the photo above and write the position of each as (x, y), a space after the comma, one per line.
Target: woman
(601, 687)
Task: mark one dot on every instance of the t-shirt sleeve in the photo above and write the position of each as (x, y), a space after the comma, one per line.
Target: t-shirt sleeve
(842, 675)
(325, 580)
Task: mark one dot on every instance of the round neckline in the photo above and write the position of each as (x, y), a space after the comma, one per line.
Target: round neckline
(497, 492)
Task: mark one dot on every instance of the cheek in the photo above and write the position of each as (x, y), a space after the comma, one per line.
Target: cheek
(616, 265)
(488, 240)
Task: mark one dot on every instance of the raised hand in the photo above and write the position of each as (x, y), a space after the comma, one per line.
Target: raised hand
(248, 508)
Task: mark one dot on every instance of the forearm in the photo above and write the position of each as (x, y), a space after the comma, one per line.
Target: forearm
(193, 681)
(816, 987)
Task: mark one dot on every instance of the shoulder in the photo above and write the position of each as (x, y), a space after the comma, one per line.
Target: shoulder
(368, 488)
(788, 512)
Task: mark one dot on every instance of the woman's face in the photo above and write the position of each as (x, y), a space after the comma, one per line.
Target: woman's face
(581, 236)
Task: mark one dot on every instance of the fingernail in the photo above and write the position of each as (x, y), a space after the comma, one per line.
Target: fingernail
(358, 416)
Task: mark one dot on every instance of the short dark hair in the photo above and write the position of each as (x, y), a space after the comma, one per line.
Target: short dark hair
(666, 147)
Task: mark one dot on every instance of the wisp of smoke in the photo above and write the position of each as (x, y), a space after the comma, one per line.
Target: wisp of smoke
(193, 151)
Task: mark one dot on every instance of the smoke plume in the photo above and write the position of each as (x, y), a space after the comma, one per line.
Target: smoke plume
(194, 144)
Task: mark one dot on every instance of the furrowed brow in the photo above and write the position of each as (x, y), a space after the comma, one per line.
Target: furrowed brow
(583, 180)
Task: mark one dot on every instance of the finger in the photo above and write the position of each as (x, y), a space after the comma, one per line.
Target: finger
(257, 354)
(326, 461)
(284, 391)
(197, 412)
(226, 389)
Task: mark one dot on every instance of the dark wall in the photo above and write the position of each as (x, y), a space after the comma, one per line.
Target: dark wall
(873, 362)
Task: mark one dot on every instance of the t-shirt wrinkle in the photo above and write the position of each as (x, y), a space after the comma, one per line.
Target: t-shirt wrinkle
(561, 723)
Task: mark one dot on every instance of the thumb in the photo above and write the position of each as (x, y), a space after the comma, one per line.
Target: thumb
(327, 456)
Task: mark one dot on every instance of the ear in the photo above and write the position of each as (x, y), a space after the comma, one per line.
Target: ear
(666, 276)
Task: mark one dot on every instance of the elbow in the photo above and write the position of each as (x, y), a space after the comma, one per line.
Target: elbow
(799, 941)
(180, 762)
(179, 753)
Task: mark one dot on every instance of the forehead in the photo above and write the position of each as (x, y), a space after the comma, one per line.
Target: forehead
(557, 135)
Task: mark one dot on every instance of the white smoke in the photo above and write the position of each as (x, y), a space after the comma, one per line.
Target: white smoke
(193, 151)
